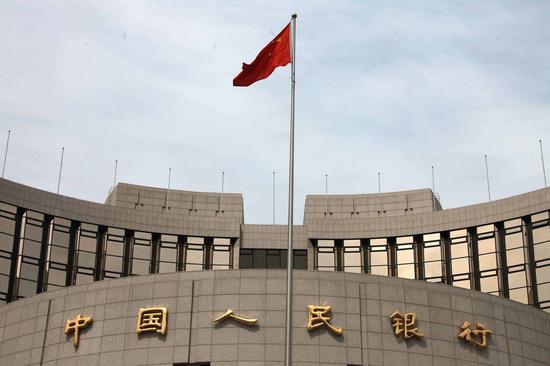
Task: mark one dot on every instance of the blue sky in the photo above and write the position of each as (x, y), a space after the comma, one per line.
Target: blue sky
(382, 86)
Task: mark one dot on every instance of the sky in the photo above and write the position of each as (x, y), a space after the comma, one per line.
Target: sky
(381, 86)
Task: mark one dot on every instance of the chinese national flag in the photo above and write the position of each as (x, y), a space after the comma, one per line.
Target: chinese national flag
(275, 54)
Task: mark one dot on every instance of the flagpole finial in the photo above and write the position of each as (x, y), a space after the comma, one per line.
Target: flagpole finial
(294, 16)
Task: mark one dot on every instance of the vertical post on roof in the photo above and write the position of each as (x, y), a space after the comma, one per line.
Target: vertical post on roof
(541, 158)
(487, 173)
(60, 169)
(6, 153)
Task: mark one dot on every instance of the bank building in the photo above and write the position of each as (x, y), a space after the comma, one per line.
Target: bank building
(157, 277)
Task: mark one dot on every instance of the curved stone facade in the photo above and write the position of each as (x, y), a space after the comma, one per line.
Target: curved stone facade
(32, 330)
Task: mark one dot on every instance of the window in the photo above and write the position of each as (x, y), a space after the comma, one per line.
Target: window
(141, 253)
(221, 253)
(271, 258)
(326, 255)
(460, 258)
(29, 253)
(168, 247)
(541, 246)
(56, 268)
(7, 230)
(353, 256)
(486, 245)
(405, 257)
(433, 258)
(85, 253)
(194, 254)
(114, 253)
(515, 260)
(378, 256)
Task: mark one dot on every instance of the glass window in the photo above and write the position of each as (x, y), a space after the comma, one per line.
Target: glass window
(405, 257)
(515, 260)
(460, 260)
(114, 253)
(7, 230)
(221, 253)
(29, 259)
(378, 256)
(541, 246)
(141, 253)
(486, 245)
(326, 255)
(353, 256)
(300, 259)
(85, 253)
(58, 253)
(433, 258)
(271, 258)
(194, 254)
(245, 259)
(168, 247)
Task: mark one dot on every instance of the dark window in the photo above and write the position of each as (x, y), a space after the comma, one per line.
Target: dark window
(271, 258)
(114, 253)
(541, 246)
(58, 252)
(29, 253)
(85, 253)
(7, 229)
(141, 253)
(168, 253)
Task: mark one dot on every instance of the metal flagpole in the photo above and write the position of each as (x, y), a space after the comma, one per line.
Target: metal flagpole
(60, 169)
(6, 153)
(487, 172)
(288, 325)
(274, 197)
(541, 158)
(379, 189)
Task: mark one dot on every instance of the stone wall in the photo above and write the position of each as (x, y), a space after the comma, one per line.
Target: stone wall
(31, 330)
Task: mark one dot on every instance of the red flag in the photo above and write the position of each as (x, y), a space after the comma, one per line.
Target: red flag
(275, 54)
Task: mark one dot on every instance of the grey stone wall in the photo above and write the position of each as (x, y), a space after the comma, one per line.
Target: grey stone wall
(257, 236)
(31, 330)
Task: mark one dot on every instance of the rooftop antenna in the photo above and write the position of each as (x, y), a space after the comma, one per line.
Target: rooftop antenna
(114, 179)
(6, 153)
(433, 189)
(220, 199)
(167, 197)
(487, 173)
(326, 194)
(379, 189)
(60, 169)
(541, 158)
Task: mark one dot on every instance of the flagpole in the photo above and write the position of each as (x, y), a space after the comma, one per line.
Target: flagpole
(288, 340)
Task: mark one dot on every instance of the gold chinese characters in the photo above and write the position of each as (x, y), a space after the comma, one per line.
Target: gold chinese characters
(230, 314)
(74, 325)
(481, 332)
(405, 324)
(152, 320)
(317, 316)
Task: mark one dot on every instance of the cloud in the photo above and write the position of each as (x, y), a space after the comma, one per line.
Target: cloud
(381, 86)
